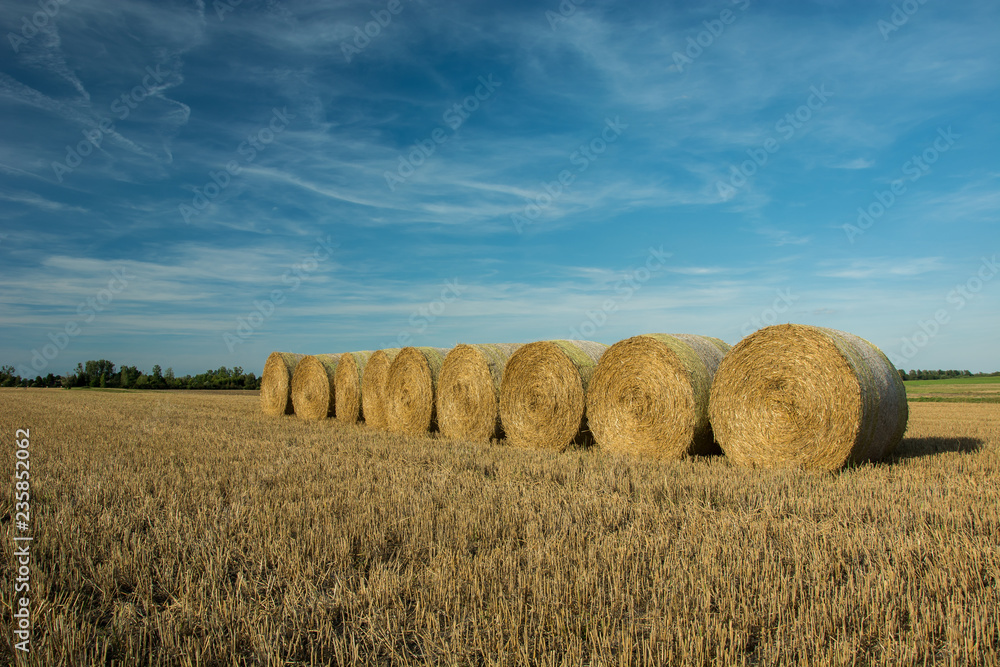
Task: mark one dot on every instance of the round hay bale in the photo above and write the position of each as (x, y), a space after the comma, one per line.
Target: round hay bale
(468, 406)
(410, 389)
(543, 393)
(373, 386)
(801, 396)
(276, 383)
(347, 385)
(649, 395)
(313, 386)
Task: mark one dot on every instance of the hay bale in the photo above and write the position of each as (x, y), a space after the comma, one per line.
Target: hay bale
(276, 383)
(809, 397)
(347, 385)
(468, 406)
(649, 395)
(410, 388)
(543, 393)
(373, 386)
(313, 386)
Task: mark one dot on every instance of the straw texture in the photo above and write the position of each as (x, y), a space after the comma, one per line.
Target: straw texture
(276, 383)
(543, 393)
(373, 386)
(649, 395)
(313, 386)
(347, 386)
(468, 406)
(801, 396)
(410, 389)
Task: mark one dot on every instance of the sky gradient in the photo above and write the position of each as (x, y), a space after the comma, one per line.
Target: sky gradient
(196, 184)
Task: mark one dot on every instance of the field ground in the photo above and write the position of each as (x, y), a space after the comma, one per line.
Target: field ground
(955, 390)
(187, 528)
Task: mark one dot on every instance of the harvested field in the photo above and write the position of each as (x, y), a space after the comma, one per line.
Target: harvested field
(182, 528)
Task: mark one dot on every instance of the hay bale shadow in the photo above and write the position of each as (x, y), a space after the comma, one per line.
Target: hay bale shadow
(911, 448)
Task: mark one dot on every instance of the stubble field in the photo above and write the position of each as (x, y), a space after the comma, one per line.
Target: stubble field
(186, 528)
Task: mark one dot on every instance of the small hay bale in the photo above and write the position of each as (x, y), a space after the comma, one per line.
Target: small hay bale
(543, 393)
(649, 395)
(373, 386)
(801, 396)
(313, 386)
(276, 383)
(347, 387)
(410, 388)
(468, 406)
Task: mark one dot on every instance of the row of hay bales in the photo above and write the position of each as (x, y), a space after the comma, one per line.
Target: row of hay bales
(787, 395)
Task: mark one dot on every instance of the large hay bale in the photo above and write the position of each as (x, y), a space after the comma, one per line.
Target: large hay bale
(809, 397)
(649, 395)
(313, 386)
(373, 386)
(543, 393)
(410, 389)
(347, 387)
(276, 383)
(468, 406)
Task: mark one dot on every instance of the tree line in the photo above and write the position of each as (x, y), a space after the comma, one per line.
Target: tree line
(104, 374)
(941, 375)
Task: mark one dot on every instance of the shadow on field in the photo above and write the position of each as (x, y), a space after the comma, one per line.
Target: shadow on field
(911, 448)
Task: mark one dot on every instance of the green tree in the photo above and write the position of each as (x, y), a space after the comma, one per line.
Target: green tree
(95, 369)
(128, 377)
(156, 380)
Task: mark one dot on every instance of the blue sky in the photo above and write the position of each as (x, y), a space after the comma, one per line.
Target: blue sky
(196, 184)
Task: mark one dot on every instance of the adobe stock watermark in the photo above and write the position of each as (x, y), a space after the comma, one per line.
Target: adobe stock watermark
(706, 38)
(372, 29)
(425, 315)
(913, 169)
(899, 17)
(218, 181)
(292, 279)
(625, 289)
(581, 158)
(782, 303)
(786, 126)
(455, 116)
(121, 107)
(22, 543)
(48, 9)
(87, 311)
(565, 10)
(957, 298)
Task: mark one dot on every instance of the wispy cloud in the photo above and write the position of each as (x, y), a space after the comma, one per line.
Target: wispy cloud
(885, 268)
(354, 121)
(856, 163)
